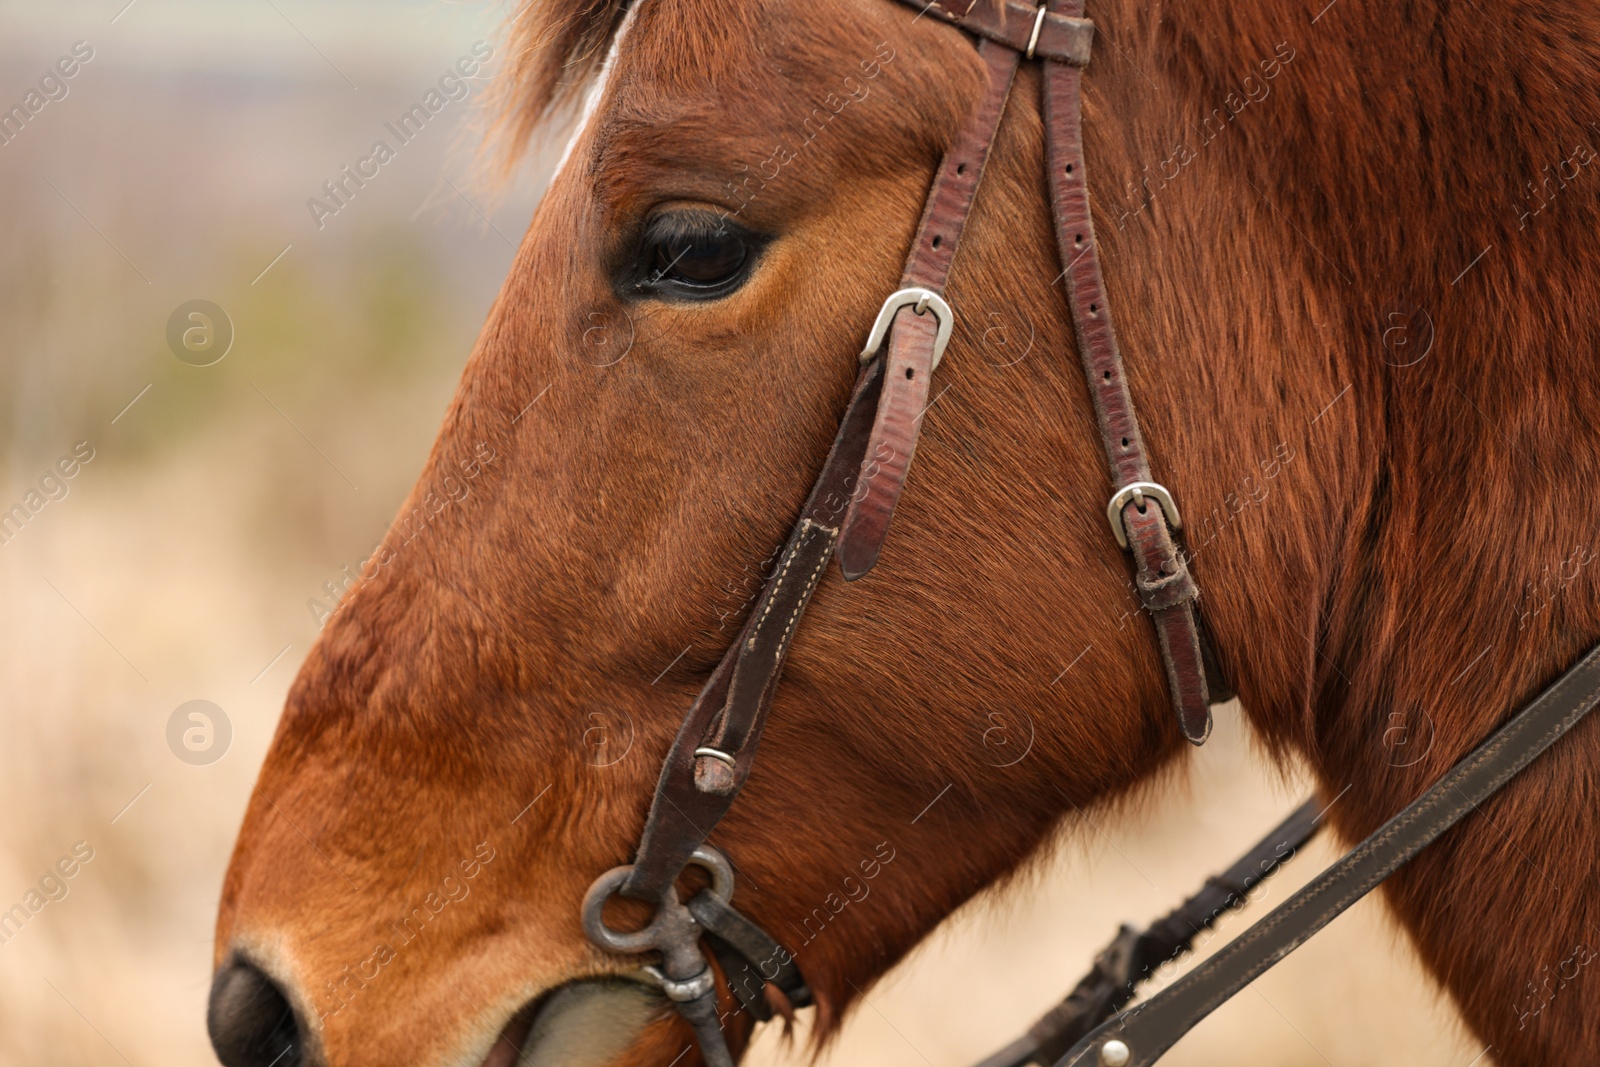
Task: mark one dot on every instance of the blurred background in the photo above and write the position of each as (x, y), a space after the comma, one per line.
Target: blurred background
(223, 477)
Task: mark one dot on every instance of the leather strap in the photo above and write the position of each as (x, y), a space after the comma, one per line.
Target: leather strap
(1151, 1028)
(850, 507)
(1134, 954)
(751, 960)
(1166, 588)
(866, 470)
(1063, 38)
(911, 338)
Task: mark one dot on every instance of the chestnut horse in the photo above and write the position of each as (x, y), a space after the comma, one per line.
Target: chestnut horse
(1352, 245)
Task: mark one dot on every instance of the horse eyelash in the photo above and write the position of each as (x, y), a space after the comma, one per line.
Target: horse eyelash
(679, 225)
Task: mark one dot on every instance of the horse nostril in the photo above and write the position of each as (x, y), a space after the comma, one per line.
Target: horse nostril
(250, 1021)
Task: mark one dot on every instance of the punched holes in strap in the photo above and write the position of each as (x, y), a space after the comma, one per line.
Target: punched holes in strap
(1166, 588)
(917, 332)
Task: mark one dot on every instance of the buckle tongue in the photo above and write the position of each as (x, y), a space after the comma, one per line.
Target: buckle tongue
(1136, 492)
(921, 301)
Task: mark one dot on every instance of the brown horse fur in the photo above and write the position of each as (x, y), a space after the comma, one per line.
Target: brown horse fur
(1384, 543)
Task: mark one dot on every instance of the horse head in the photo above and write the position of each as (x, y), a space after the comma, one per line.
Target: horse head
(478, 731)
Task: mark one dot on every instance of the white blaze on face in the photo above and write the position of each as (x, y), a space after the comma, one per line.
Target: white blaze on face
(591, 99)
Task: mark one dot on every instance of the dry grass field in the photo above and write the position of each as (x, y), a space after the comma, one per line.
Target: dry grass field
(177, 563)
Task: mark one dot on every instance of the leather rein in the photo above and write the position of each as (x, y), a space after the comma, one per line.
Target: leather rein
(848, 513)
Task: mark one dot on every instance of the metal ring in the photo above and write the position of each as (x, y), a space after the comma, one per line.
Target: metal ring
(921, 301)
(717, 866)
(1138, 491)
(1038, 24)
(594, 923)
(716, 754)
(705, 857)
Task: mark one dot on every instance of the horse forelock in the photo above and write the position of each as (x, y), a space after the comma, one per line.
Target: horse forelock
(554, 49)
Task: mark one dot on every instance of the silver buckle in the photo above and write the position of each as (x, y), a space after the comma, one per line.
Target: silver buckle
(1136, 492)
(921, 301)
(1038, 24)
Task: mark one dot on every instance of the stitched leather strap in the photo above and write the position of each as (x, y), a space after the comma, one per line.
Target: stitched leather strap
(693, 792)
(865, 474)
(1164, 583)
(911, 338)
(851, 505)
(867, 466)
(1154, 1026)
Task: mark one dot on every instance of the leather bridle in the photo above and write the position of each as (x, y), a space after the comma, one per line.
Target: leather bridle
(848, 513)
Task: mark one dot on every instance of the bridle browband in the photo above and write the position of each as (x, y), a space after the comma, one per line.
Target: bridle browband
(848, 513)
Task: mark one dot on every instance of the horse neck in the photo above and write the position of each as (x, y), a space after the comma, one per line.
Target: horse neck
(1375, 394)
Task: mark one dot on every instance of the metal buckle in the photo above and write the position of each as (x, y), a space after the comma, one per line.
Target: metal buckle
(1136, 492)
(920, 301)
(1038, 24)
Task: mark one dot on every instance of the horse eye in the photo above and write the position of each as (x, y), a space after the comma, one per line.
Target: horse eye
(694, 254)
(700, 260)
